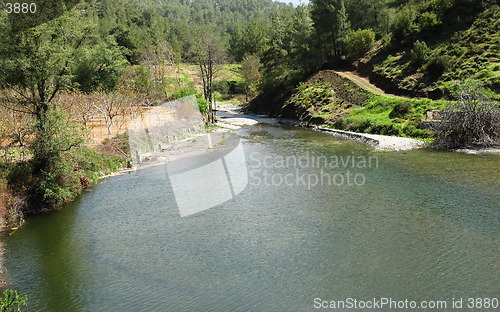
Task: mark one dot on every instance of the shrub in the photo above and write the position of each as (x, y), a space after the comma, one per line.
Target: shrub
(420, 53)
(19, 177)
(473, 121)
(202, 102)
(436, 66)
(359, 42)
(400, 110)
(87, 161)
(429, 21)
(11, 301)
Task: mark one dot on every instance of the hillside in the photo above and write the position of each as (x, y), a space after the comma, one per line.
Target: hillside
(330, 99)
(415, 60)
(444, 45)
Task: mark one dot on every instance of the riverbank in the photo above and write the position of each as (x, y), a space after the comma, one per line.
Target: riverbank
(379, 142)
(233, 115)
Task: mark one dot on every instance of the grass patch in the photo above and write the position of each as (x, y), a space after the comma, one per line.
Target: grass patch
(374, 116)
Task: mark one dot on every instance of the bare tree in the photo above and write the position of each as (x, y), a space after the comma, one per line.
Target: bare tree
(108, 107)
(113, 105)
(158, 58)
(79, 106)
(15, 127)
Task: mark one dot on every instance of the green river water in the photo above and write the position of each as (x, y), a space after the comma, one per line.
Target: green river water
(419, 225)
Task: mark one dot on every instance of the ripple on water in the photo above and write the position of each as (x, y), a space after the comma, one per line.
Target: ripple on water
(406, 233)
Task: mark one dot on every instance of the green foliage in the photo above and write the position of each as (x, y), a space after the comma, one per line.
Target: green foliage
(358, 42)
(56, 185)
(251, 71)
(138, 79)
(53, 182)
(11, 301)
(331, 25)
(250, 40)
(307, 95)
(203, 104)
(54, 134)
(420, 53)
(19, 176)
(463, 35)
(403, 24)
(42, 56)
(100, 66)
(88, 162)
(330, 99)
(436, 66)
(429, 22)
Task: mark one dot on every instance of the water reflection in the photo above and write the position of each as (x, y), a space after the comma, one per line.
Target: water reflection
(409, 232)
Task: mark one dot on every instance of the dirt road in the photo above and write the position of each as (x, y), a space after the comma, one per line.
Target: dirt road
(364, 83)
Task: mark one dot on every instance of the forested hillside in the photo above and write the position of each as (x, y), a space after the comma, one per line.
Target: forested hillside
(410, 47)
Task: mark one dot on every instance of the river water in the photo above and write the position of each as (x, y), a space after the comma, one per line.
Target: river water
(320, 217)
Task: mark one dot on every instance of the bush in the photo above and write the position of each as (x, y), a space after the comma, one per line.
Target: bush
(400, 110)
(202, 103)
(420, 53)
(358, 42)
(429, 21)
(11, 301)
(19, 177)
(89, 163)
(473, 121)
(436, 66)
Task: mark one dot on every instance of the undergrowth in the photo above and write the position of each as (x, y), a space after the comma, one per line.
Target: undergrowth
(77, 169)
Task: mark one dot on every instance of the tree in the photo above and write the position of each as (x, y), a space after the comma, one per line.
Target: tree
(420, 53)
(79, 106)
(112, 105)
(208, 55)
(100, 65)
(358, 42)
(251, 73)
(15, 127)
(35, 65)
(365, 14)
(301, 34)
(403, 24)
(331, 26)
(250, 40)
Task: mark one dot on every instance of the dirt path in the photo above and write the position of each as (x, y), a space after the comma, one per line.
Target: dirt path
(364, 83)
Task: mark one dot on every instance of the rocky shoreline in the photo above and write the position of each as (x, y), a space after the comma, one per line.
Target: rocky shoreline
(379, 142)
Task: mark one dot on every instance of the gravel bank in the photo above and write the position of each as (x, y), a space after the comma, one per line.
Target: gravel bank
(380, 142)
(232, 116)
